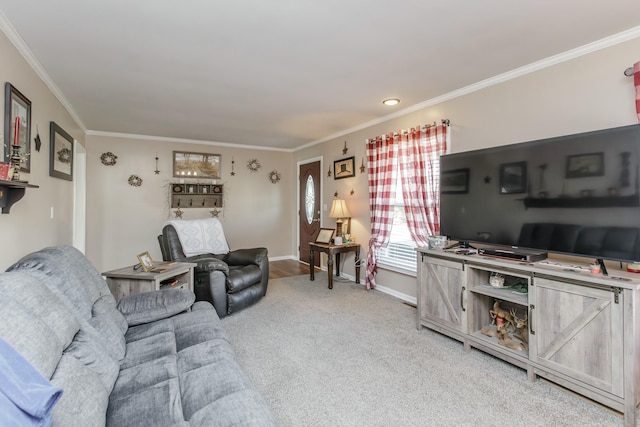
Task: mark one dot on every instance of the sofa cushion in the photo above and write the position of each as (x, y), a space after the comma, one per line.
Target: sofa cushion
(88, 348)
(151, 306)
(84, 400)
(244, 408)
(159, 405)
(30, 336)
(190, 350)
(109, 335)
(53, 266)
(107, 306)
(31, 293)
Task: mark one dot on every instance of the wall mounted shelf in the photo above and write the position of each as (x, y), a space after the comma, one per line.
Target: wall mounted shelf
(583, 202)
(11, 192)
(196, 195)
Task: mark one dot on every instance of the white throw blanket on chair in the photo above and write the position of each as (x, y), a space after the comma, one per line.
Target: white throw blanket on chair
(200, 236)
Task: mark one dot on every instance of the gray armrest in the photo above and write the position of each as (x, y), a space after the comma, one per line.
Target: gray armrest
(151, 306)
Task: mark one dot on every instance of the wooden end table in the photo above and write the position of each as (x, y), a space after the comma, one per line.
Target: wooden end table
(332, 250)
(127, 281)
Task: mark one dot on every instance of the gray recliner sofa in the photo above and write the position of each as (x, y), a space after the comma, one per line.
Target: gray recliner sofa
(152, 359)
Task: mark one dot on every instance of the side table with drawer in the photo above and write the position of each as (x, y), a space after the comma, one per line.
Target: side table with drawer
(127, 281)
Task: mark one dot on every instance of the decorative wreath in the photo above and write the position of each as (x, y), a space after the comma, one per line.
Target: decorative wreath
(64, 155)
(135, 181)
(108, 158)
(253, 165)
(274, 177)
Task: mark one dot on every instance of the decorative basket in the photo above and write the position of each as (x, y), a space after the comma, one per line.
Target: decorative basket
(437, 242)
(496, 280)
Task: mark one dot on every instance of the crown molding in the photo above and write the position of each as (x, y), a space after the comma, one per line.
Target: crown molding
(9, 30)
(182, 141)
(568, 55)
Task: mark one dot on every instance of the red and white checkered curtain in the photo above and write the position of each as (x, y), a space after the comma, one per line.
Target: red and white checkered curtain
(636, 82)
(382, 153)
(419, 159)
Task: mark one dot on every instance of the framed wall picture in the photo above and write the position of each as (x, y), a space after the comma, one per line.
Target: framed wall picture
(325, 235)
(61, 153)
(455, 181)
(513, 178)
(582, 165)
(17, 111)
(196, 165)
(146, 262)
(344, 168)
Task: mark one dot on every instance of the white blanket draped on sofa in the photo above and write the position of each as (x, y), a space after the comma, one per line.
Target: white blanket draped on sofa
(201, 236)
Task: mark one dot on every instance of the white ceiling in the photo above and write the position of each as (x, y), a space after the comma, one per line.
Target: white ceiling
(286, 73)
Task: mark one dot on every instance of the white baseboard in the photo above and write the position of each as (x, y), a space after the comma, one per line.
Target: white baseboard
(399, 295)
(386, 290)
(282, 258)
(383, 289)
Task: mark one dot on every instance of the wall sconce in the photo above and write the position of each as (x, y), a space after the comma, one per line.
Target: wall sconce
(339, 210)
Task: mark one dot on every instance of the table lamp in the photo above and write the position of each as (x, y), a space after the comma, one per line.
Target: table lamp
(339, 210)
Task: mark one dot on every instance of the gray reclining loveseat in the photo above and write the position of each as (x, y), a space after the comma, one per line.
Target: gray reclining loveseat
(152, 359)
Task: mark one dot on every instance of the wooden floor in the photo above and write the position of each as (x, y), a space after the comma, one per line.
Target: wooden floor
(287, 268)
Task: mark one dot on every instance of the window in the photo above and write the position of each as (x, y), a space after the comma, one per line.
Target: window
(400, 253)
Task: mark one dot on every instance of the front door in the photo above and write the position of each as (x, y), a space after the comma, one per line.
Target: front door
(309, 208)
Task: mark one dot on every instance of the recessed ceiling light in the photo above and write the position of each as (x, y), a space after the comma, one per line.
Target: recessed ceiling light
(392, 101)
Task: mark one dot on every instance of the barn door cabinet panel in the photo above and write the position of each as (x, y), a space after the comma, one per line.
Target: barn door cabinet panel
(196, 195)
(442, 302)
(579, 332)
(583, 330)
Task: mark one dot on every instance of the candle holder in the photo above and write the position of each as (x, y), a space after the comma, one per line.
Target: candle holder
(16, 162)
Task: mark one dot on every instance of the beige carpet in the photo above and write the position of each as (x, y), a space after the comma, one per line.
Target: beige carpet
(348, 357)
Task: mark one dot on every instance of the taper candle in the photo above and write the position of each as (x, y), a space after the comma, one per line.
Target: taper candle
(16, 132)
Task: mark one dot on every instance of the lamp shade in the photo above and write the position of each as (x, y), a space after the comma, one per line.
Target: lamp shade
(339, 209)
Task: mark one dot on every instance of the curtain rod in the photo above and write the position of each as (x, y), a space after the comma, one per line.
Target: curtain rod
(445, 122)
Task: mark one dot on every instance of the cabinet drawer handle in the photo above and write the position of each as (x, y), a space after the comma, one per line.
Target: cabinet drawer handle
(462, 298)
(531, 331)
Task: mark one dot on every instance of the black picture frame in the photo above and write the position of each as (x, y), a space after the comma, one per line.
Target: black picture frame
(455, 181)
(17, 105)
(344, 168)
(513, 178)
(60, 153)
(583, 165)
(187, 164)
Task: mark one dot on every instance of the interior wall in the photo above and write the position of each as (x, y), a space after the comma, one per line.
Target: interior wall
(123, 220)
(29, 226)
(586, 93)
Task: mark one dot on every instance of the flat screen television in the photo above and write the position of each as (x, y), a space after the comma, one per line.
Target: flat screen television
(575, 194)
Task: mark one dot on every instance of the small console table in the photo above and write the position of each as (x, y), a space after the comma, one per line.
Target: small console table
(331, 250)
(127, 281)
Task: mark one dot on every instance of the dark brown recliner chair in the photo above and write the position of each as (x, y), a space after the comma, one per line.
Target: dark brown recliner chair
(230, 282)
